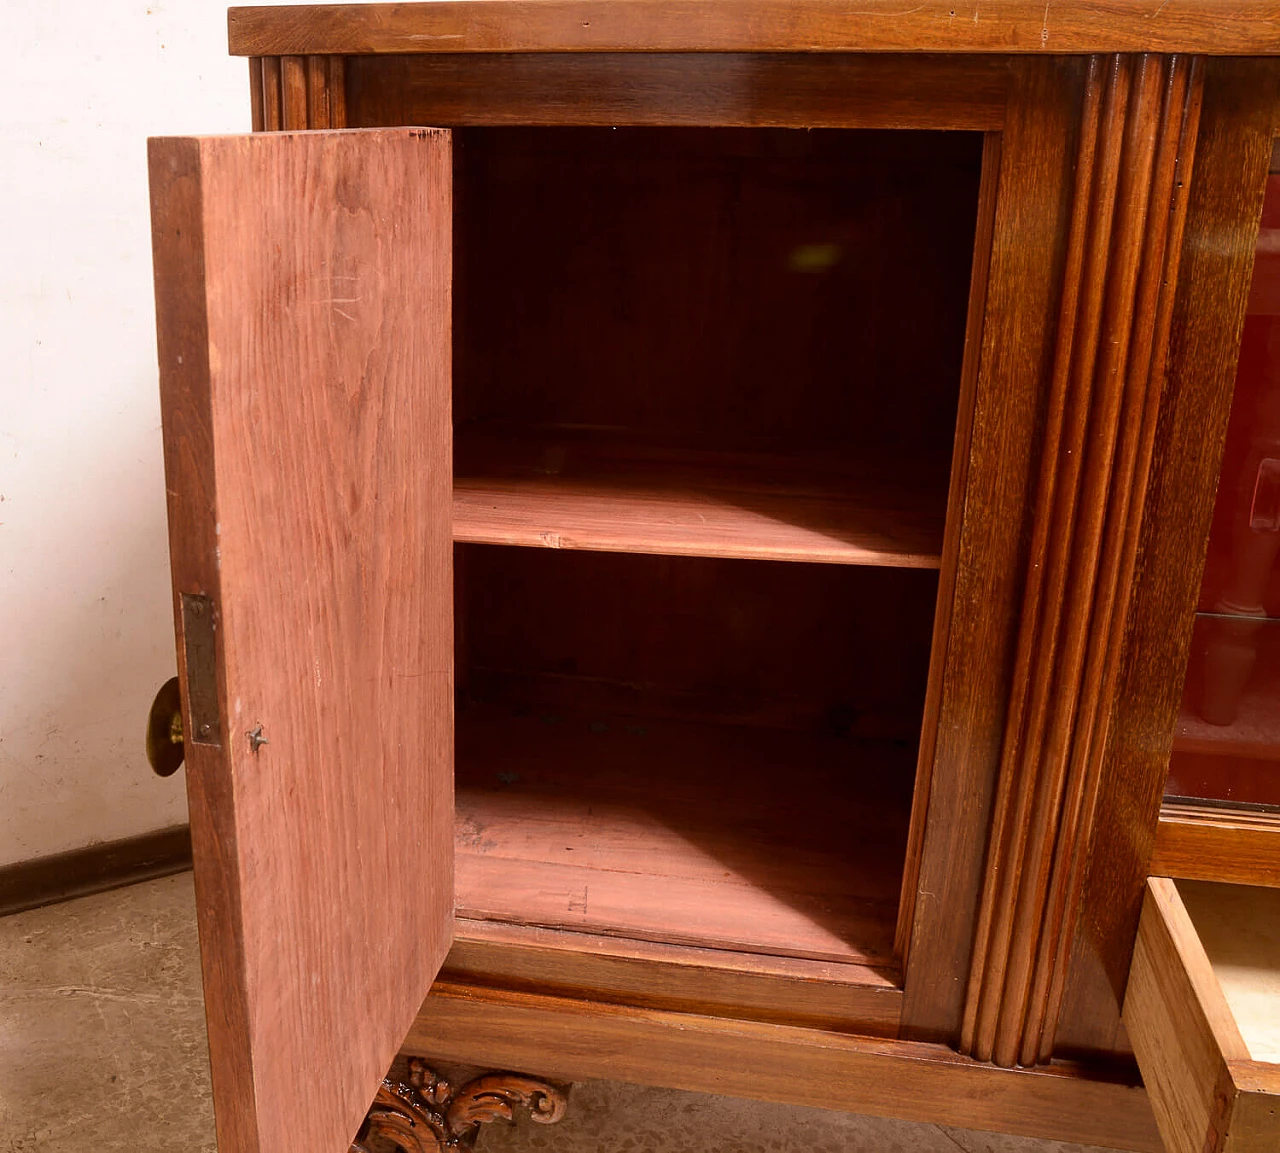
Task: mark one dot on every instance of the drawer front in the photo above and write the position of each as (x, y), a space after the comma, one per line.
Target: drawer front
(1209, 1060)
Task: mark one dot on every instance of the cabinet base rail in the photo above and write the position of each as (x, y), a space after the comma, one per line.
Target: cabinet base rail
(575, 1040)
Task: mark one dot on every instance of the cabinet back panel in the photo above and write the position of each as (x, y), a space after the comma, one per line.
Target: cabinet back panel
(732, 288)
(820, 647)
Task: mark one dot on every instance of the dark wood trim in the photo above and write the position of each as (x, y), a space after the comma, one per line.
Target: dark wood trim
(1135, 155)
(94, 869)
(1243, 27)
(682, 89)
(257, 110)
(272, 99)
(945, 605)
(1239, 117)
(570, 1040)
(1028, 252)
(1200, 843)
(293, 92)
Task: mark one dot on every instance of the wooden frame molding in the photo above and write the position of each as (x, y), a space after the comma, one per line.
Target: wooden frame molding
(947, 576)
(972, 680)
(841, 90)
(273, 859)
(1239, 120)
(1204, 843)
(572, 1040)
(296, 92)
(1135, 154)
(1067, 26)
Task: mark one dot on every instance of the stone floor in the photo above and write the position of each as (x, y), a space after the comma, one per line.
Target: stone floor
(102, 1047)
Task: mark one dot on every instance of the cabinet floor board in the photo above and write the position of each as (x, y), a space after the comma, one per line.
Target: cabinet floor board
(722, 837)
(615, 970)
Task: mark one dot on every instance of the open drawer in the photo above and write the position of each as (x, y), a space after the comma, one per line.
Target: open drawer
(1203, 1013)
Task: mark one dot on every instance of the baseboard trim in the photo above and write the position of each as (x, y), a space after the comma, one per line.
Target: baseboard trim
(94, 869)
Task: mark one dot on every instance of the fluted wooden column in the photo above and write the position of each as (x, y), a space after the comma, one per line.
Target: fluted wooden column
(292, 92)
(1136, 147)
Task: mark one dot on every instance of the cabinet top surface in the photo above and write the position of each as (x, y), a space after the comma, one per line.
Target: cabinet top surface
(1218, 27)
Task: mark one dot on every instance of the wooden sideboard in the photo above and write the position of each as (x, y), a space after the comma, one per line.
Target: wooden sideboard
(687, 525)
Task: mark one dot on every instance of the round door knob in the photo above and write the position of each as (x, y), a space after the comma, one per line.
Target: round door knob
(164, 730)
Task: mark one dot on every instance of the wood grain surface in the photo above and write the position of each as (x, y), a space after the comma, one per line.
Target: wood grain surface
(293, 89)
(434, 71)
(579, 492)
(295, 92)
(308, 466)
(1238, 123)
(257, 109)
(1204, 843)
(1182, 1029)
(1137, 141)
(949, 559)
(682, 833)
(848, 998)
(1243, 27)
(272, 95)
(577, 1039)
(1239, 929)
(679, 89)
(1253, 1115)
(1033, 205)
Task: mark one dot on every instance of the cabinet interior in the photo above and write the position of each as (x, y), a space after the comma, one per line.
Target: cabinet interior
(1239, 927)
(705, 393)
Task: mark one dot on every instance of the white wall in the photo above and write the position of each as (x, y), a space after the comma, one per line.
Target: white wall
(85, 621)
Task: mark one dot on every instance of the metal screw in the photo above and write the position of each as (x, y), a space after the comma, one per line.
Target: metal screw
(256, 739)
(206, 729)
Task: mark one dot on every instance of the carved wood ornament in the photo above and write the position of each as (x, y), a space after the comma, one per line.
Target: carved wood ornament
(429, 1116)
(1135, 150)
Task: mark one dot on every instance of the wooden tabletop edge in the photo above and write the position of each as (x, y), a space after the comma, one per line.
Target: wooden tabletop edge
(1244, 27)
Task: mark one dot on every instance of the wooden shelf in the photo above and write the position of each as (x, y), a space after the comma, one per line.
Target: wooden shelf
(1233, 672)
(1254, 735)
(760, 841)
(604, 495)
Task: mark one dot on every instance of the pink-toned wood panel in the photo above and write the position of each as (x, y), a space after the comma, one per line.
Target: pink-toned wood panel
(682, 833)
(303, 289)
(569, 492)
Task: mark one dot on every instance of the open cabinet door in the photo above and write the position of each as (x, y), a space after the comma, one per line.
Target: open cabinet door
(303, 307)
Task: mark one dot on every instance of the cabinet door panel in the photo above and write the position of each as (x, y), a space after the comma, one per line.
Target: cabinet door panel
(303, 311)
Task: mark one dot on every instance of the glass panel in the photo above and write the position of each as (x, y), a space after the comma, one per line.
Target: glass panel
(1227, 747)
(1227, 744)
